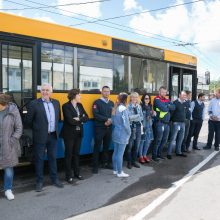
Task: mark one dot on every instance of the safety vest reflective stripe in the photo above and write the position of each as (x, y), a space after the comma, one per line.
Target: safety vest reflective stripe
(162, 114)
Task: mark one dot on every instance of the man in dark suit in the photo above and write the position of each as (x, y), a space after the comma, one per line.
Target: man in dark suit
(43, 116)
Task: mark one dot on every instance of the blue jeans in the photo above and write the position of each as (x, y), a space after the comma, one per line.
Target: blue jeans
(133, 145)
(51, 146)
(8, 178)
(162, 131)
(187, 126)
(177, 136)
(144, 146)
(117, 157)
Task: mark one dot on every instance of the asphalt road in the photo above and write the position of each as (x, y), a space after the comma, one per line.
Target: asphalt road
(198, 199)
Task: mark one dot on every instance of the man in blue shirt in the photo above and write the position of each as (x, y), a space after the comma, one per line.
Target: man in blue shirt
(43, 116)
(214, 121)
(198, 115)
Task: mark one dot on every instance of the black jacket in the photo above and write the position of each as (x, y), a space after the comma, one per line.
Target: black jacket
(37, 119)
(102, 111)
(70, 125)
(179, 114)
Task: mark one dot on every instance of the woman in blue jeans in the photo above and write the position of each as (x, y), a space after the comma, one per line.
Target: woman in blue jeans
(10, 132)
(120, 134)
(136, 118)
(148, 136)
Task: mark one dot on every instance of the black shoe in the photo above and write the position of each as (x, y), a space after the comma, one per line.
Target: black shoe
(95, 171)
(39, 187)
(135, 165)
(161, 157)
(129, 166)
(181, 155)
(70, 180)
(216, 148)
(155, 159)
(58, 184)
(185, 151)
(206, 148)
(169, 157)
(196, 148)
(79, 177)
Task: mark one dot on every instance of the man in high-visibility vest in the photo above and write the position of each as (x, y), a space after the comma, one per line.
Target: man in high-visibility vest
(162, 106)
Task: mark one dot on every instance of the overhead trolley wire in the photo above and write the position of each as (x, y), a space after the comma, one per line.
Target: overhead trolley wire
(205, 57)
(199, 55)
(124, 26)
(170, 40)
(142, 12)
(53, 12)
(54, 6)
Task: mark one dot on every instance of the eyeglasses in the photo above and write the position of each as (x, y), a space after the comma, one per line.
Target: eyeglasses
(146, 98)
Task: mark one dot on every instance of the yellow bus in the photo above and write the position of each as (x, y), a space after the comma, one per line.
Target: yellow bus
(33, 52)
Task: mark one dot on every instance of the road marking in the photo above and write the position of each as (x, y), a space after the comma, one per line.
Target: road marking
(148, 209)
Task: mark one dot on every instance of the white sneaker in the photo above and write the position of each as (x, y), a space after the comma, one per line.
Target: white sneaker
(9, 195)
(115, 172)
(122, 174)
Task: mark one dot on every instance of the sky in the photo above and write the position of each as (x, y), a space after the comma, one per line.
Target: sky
(191, 28)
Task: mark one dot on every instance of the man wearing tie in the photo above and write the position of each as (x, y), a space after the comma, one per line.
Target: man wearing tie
(43, 116)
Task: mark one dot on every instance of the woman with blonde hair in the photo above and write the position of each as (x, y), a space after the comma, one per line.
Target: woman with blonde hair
(136, 118)
(10, 132)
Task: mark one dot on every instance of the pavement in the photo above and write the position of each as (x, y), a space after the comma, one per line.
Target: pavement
(198, 199)
(99, 196)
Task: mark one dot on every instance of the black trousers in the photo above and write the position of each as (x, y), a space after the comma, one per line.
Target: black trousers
(194, 130)
(72, 151)
(102, 137)
(214, 129)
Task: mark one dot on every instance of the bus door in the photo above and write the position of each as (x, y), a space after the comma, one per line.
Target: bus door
(175, 82)
(181, 79)
(188, 80)
(17, 73)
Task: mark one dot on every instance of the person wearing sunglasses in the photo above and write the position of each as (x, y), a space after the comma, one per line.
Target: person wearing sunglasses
(147, 136)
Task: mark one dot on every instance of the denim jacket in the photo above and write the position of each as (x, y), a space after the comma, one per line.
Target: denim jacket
(135, 118)
(121, 126)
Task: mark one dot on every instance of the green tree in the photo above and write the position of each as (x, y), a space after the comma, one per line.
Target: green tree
(214, 84)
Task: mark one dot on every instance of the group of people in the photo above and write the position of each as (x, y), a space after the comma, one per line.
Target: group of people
(131, 127)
